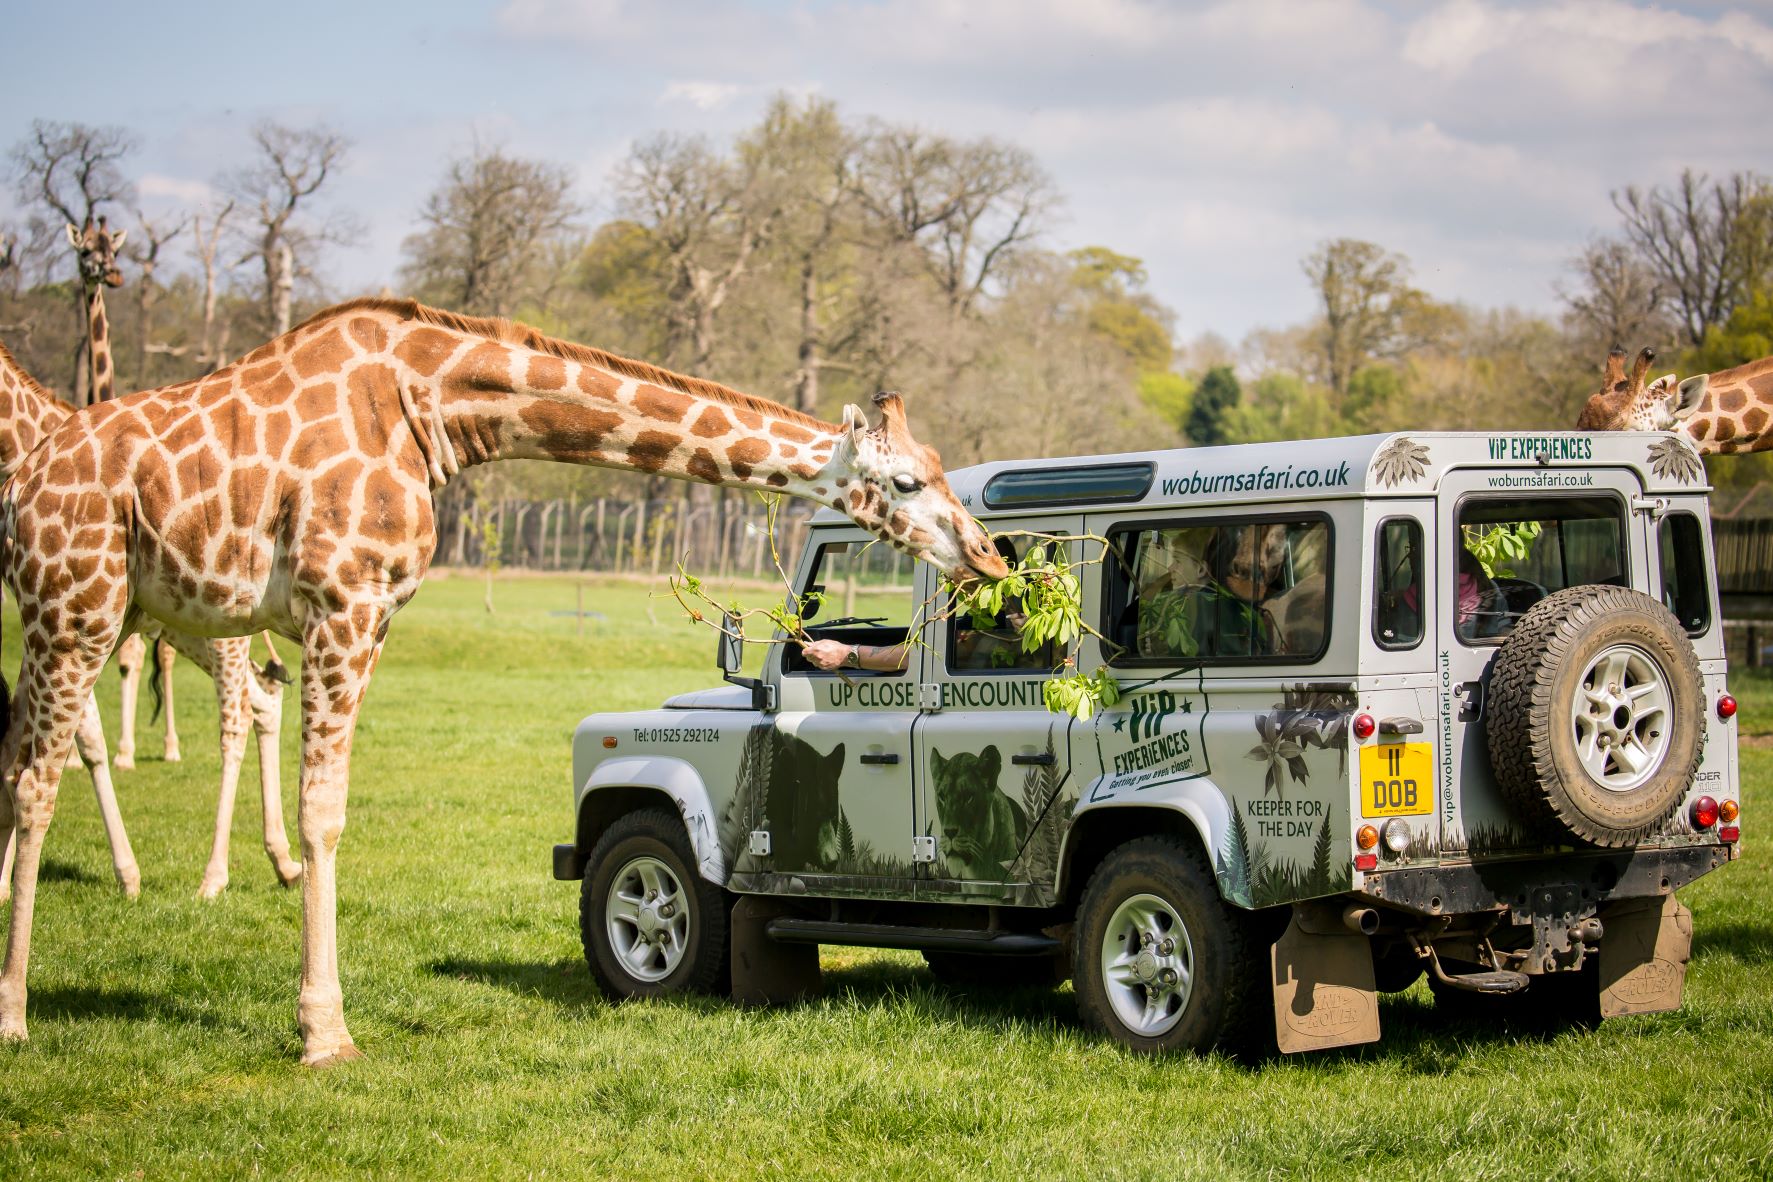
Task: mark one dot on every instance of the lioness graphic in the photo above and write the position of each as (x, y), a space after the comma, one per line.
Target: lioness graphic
(802, 804)
(982, 829)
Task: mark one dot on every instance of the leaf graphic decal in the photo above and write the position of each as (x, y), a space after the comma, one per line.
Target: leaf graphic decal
(1674, 459)
(1398, 461)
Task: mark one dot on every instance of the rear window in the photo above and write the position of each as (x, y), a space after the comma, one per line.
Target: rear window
(1397, 584)
(1514, 551)
(1210, 592)
(1686, 585)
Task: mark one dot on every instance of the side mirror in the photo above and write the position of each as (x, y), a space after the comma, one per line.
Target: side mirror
(730, 648)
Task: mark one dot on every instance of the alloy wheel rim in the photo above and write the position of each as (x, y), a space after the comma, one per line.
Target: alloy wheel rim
(1147, 965)
(1621, 717)
(647, 919)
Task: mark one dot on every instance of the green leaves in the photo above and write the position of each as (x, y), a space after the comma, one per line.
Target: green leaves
(1078, 694)
(1500, 546)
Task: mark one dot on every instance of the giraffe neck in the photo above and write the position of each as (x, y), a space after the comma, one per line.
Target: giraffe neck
(1736, 414)
(28, 412)
(498, 400)
(98, 335)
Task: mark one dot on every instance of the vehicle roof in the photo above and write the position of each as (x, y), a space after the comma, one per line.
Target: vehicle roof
(1393, 465)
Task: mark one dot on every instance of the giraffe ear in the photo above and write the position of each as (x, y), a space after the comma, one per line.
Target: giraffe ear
(892, 410)
(855, 422)
(117, 239)
(73, 236)
(1688, 396)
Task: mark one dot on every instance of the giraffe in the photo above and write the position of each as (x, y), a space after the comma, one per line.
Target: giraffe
(1722, 413)
(246, 694)
(293, 490)
(96, 247)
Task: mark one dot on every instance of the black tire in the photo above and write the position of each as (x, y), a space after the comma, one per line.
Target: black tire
(1396, 969)
(1229, 1004)
(655, 839)
(968, 970)
(1534, 684)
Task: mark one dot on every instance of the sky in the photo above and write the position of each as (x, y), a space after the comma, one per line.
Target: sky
(1218, 142)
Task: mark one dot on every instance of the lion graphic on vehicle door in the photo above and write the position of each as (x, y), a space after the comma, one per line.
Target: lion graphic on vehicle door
(981, 829)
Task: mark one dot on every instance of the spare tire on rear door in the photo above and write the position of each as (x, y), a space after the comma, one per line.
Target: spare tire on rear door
(1595, 715)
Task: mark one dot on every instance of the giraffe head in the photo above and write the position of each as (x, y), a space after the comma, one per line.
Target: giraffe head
(893, 485)
(97, 247)
(1625, 403)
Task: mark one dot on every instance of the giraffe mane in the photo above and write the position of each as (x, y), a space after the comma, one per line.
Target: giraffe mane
(31, 383)
(513, 332)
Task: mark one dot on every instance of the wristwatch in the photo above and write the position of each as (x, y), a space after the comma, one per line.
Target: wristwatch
(855, 657)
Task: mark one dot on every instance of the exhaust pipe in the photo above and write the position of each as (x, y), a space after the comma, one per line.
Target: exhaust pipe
(1363, 921)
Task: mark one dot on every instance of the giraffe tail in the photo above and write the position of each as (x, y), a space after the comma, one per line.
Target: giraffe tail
(155, 671)
(275, 669)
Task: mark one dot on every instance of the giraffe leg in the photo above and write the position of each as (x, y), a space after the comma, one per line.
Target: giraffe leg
(130, 656)
(266, 704)
(167, 656)
(215, 875)
(89, 740)
(33, 760)
(7, 844)
(339, 653)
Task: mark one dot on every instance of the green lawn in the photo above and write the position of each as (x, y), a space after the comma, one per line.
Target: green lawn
(164, 1045)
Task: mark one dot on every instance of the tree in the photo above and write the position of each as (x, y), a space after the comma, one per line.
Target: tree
(1618, 299)
(293, 165)
(1707, 242)
(1214, 399)
(145, 250)
(487, 227)
(1746, 336)
(1370, 310)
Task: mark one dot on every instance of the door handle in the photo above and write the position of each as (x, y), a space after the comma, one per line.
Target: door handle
(1473, 693)
(1044, 759)
(1400, 726)
(880, 757)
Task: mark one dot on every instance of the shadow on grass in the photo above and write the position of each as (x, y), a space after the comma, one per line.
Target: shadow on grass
(50, 870)
(1750, 943)
(565, 983)
(87, 1003)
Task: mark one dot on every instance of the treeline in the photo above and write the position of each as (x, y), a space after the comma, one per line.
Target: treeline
(817, 258)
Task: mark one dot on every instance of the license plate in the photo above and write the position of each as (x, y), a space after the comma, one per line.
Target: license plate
(1397, 779)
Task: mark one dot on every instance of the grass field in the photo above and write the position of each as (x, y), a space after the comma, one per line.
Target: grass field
(164, 1045)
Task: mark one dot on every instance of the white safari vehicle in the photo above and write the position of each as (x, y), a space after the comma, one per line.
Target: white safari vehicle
(1348, 753)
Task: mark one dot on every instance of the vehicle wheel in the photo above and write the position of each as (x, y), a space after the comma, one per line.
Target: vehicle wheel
(1596, 715)
(651, 925)
(1396, 969)
(1161, 964)
(968, 969)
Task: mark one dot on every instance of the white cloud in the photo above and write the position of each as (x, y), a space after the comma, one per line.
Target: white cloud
(180, 189)
(705, 96)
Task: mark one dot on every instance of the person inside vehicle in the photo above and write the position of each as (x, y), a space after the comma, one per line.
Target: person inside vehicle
(1480, 609)
(974, 648)
(1221, 615)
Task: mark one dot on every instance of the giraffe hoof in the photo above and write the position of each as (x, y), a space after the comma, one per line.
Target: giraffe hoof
(333, 1058)
(211, 889)
(290, 875)
(131, 882)
(172, 755)
(124, 762)
(11, 1031)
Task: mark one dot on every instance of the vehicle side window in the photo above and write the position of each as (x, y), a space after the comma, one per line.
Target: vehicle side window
(857, 593)
(1512, 552)
(1221, 592)
(1685, 589)
(978, 646)
(1397, 584)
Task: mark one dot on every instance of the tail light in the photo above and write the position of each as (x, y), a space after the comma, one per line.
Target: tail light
(1705, 813)
(1728, 812)
(1364, 726)
(1729, 835)
(1726, 707)
(1366, 837)
(1366, 861)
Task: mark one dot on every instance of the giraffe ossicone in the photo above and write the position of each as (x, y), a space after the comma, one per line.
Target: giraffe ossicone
(293, 490)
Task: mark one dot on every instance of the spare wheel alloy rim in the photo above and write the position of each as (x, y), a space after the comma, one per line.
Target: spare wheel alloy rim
(647, 919)
(1622, 717)
(1147, 965)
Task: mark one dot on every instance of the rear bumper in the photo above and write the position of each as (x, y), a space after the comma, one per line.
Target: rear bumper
(569, 863)
(1599, 875)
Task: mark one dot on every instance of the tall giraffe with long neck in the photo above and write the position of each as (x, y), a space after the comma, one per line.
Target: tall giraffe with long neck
(1722, 413)
(96, 247)
(246, 695)
(293, 490)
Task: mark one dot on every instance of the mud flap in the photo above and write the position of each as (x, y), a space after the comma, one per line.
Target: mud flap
(766, 972)
(1323, 983)
(1644, 954)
